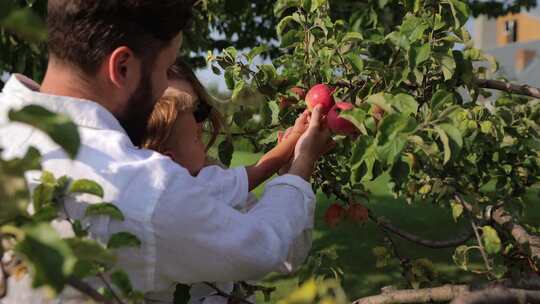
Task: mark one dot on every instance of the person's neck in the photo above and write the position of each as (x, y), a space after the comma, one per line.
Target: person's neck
(61, 80)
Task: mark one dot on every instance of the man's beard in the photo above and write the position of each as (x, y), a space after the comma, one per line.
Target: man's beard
(139, 108)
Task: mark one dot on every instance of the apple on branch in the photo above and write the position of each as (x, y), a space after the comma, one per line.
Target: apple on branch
(340, 125)
(287, 101)
(357, 213)
(320, 94)
(333, 215)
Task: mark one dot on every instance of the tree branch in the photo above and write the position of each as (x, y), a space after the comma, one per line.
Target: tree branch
(504, 291)
(438, 294)
(508, 87)
(88, 290)
(434, 244)
(227, 295)
(499, 295)
(520, 235)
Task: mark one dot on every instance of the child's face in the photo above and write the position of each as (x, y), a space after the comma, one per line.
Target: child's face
(185, 142)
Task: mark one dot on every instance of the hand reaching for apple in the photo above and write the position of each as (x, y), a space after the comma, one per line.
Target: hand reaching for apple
(300, 126)
(313, 144)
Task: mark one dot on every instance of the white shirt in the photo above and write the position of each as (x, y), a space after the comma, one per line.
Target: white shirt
(189, 231)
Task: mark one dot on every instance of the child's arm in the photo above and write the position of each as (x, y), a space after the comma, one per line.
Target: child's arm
(276, 158)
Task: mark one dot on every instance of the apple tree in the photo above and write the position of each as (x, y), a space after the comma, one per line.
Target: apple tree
(407, 95)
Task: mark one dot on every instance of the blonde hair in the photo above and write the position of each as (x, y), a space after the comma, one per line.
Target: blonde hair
(164, 115)
(174, 102)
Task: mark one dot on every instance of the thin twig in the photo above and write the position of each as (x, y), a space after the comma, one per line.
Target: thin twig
(480, 245)
(87, 290)
(410, 236)
(508, 87)
(226, 295)
(467, 207)
(403, 262)
(109, 287)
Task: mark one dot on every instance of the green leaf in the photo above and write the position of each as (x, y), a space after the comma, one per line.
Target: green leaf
(446, 143)
(229, 78)
(393, 124)
(357, 116)
(461, 257)
(316, 4)
(86, 186)
(181, 294)
(352, 37)
(282, 25)
(306, 293)
(400, 40)
(46, 214)
(363, 160)
(456, 139)
(290, 38)
(43, 197)
(356, 62)
(225, 152)
(78, 229)
(440, 98)
(382, 255)
(49, 257)
(120, 279)
(90, 250)
(59, 127)
(491, 239)
(404, 103)
(391, 151)
(413, 28)
(216, 70)
(457, 210)
(256, 52)
(18, 166)
(419, 54)
(381, 100)
(282, 5)
(448, 66)
(486, 127)
(123, 239)
(105, 209)
(26, 24)
(460, 11)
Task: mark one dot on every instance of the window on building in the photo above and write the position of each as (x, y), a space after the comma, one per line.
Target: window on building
(510, 28)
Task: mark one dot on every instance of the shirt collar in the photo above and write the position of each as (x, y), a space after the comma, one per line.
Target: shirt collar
(84, 113)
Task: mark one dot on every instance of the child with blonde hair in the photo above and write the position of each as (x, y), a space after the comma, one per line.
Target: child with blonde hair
(176, 129)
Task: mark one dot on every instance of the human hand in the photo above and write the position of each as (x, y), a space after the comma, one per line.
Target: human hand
(315, 142)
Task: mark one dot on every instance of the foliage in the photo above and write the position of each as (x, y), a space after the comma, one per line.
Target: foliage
(219, 24)
(441, 137)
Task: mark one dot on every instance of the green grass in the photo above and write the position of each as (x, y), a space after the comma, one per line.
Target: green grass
(354, 243)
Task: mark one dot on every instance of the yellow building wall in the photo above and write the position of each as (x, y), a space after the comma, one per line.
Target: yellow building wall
(528, 28)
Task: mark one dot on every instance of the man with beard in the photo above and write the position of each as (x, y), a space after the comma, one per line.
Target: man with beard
(108, 64)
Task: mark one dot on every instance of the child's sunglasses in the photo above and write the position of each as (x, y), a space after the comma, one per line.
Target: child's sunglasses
(202, 112)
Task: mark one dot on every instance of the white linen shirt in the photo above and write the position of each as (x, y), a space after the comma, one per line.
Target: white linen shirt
(189, 231)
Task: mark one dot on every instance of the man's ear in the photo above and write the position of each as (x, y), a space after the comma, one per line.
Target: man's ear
(124, 68)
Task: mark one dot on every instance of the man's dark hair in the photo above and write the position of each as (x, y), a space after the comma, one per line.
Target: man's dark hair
(84, 32)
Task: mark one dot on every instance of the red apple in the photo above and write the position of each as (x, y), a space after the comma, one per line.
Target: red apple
(333, 215)
(299, 92)
(357, 213)
(338, 124)
(320, 94)
(285, 102)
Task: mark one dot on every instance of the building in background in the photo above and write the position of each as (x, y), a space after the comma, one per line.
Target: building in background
(514, 40)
